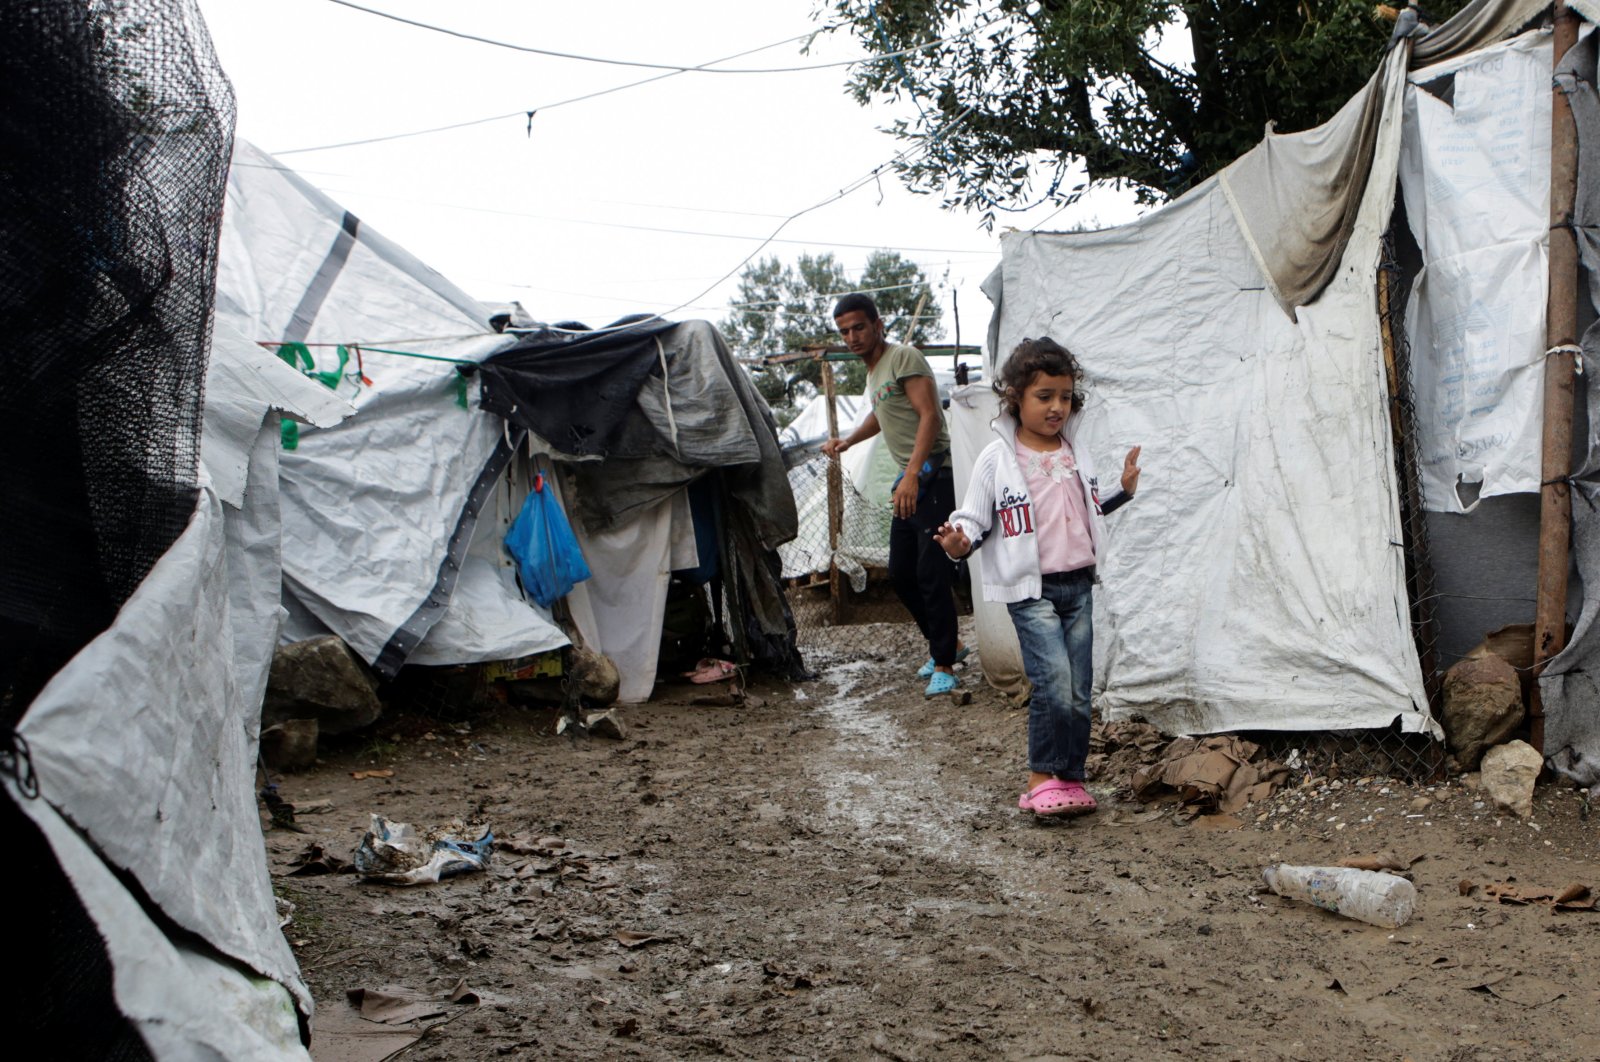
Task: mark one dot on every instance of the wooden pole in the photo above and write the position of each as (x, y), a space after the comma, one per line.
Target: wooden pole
(1561, 330)
(835, 495)
(911, 329)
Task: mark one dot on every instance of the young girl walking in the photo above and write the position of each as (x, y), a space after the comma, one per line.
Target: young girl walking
(1046, 500)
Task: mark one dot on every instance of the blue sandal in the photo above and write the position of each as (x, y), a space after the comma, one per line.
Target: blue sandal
(941, 682)
(926, 670)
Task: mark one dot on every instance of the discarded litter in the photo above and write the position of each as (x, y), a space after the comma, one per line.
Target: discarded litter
(1366, 895)
(1574, 897)
(394, 853)
(314, 859)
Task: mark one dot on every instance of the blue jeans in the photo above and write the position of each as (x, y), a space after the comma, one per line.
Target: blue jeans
(1056, 632)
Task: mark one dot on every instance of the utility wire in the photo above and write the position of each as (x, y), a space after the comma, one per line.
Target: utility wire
(655, 228)
(673, 67)
(530, 112)
(854, 186)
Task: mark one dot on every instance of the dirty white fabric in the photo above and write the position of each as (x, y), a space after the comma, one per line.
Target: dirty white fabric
(1256, 581)
(369, 507)
(1475, 172)
(619, 609)
(972, 408)
(186, 1004)
(248, 390)
(160, 776)
(1296, 195)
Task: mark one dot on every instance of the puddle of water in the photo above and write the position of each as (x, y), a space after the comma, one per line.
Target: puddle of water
(875, 778)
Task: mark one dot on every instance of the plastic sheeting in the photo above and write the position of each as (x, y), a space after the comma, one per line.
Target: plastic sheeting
(972, 411)
(185, 1003)
(377, 513)
(1256, 582)
(1475, 172)
(160, 777)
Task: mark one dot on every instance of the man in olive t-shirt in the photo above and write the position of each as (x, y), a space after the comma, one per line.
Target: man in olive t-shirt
(906, 409)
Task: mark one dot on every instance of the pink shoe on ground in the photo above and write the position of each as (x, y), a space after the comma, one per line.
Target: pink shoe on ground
(1054, 797)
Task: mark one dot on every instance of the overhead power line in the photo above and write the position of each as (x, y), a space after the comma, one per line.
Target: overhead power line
(529, 112)
(658, 228)
(704, 68)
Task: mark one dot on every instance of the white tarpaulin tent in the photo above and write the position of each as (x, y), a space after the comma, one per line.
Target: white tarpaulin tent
(379, 513)
(197, 634)
(1256, 582)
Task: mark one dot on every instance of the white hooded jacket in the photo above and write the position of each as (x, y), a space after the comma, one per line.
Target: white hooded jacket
(999, 489)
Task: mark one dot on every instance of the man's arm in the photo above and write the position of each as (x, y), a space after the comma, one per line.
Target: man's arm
(863, 431)
(924, 398)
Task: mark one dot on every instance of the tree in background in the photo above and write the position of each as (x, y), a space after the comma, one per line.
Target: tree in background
(1039, 85)
(781, 308)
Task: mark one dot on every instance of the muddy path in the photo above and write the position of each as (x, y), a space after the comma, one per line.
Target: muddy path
(839, 871)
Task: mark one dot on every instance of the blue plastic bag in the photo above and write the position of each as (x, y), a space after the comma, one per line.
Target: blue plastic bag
(546, 551)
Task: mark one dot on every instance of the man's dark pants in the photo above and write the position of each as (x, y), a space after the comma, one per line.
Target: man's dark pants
(920, 570)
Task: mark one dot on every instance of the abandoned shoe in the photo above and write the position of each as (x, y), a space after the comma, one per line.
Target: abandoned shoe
(926, 670)
(941, 682)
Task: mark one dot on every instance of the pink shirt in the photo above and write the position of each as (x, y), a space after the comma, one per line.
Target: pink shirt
(1061, 520)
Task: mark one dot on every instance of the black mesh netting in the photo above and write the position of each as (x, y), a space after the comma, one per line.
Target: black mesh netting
(117, 125)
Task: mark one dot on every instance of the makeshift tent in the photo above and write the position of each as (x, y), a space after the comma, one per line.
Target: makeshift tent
(379, 512)
(1258, 581)
(394, 521)
(669, 461)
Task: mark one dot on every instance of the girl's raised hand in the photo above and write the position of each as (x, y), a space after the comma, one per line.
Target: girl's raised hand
(953, 541)
(1130, 472)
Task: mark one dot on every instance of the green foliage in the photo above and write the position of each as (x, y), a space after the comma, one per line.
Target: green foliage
(782, 308)
(1039, 85)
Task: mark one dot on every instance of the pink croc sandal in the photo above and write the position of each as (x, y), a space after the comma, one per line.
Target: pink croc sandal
(1055, 797)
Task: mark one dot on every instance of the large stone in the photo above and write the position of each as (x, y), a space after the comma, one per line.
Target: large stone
(596, 676)
(290, 745)
(1482, 705)
(321, 679)
(1508, 774)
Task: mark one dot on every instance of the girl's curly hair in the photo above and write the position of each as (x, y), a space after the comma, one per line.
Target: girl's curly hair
(1029, 359)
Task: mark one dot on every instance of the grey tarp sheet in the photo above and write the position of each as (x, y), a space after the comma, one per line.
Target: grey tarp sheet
(705, 414)
(1570, 685)
(1296, 195)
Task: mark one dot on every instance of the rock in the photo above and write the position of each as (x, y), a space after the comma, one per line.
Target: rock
(1482, 705)
(321, 679)
(1508, 774)
(606, 724)
(1420, 804)
(596, 676)
(290, 745)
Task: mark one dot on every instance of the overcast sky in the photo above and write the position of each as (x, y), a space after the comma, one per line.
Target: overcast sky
(570, 220)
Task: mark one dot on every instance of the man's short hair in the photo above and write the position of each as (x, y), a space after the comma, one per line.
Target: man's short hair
(853, 302)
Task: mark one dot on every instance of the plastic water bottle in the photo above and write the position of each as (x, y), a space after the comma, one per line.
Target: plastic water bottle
(1368, 895)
